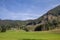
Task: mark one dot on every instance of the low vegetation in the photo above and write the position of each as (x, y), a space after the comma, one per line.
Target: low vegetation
(22, 35)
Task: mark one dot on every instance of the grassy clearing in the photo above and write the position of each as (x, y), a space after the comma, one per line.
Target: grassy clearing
(22, 35)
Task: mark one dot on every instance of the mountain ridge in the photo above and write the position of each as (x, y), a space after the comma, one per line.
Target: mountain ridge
(48, 21)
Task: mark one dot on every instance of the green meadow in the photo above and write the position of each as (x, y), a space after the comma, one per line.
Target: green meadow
(22, 35)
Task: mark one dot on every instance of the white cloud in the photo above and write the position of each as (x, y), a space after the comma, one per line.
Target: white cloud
(6, 14)
(24, 10)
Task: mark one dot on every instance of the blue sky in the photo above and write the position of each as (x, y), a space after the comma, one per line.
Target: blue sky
(25, 9)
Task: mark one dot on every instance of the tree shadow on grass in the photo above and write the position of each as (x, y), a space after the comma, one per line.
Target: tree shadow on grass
(32, 39)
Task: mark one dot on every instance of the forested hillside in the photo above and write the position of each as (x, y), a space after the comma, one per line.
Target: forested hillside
(48, 21)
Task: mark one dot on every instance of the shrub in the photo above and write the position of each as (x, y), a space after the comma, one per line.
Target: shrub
(3, 29)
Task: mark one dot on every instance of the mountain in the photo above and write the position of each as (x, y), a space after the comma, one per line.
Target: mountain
(48, 21)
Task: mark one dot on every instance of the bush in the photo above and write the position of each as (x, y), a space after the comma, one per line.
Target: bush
(3, 29)
(26, 29)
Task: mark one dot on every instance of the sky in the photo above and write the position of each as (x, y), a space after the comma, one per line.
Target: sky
(25, 9)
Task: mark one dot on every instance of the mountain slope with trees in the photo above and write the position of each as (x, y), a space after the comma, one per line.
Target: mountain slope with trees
(48, 21)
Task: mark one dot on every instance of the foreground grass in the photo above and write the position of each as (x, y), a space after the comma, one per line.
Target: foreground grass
(21, 35)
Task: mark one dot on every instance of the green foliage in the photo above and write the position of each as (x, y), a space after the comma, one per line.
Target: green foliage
(3, 29)
(39, 28)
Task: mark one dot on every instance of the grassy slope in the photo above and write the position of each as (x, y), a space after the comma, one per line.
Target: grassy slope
(20, 35)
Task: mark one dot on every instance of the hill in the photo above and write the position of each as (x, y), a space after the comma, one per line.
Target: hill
(48, 21)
